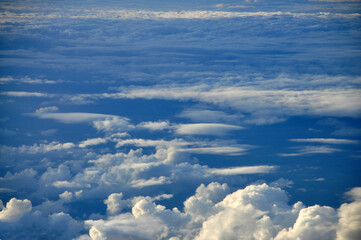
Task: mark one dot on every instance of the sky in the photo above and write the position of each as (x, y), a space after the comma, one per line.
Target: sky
(193, 119)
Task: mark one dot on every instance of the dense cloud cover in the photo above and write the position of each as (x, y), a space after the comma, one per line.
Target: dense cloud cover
(180, 120)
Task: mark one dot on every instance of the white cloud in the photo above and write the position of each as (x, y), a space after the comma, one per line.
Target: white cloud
(66, 195)
(39, 148)
(115, 203)
(255, 212)
(216, 129)
(154, 126)
(113, 124)
(314, 222)
(308, 150)
(74, 117)
(260, 102)
(5, 80)
(140, 183)
(47, 109)
(220, 150)
(92, 142)
(15, 209)
(350, 217)
(325, 140)
(25, 94)
(242, 170)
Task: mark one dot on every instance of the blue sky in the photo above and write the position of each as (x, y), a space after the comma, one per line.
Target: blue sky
(180, 120)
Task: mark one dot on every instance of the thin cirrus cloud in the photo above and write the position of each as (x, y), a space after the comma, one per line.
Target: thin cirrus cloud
(73, 117)
(25, 94)
(325, 140)
(309, 150)
(122, 14)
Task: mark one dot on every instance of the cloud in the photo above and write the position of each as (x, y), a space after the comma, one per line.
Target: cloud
(208, 116)
(216, 129)
(242, 170)
(308, 150)
(350, 217)
(74, 117)
(47, 109)
(9, 79)
(347, 131)
(39, 148)
(260, 102)
(140, 183)
(314, 222)
(220, 150)
(325, 140)
(15, 209)
(92, 142)
(115, 14)
(25, 94)
(255, 212)
(114, 124)
(154, 126)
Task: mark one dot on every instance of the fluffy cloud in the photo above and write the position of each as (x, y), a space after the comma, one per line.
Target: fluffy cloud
(15, 209)
(255, 212)
(350, 217)
(18, 218)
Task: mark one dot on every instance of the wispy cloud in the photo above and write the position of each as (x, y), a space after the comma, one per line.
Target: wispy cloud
(242, 170)
(325, 140)
(309, 150)
(25, 94)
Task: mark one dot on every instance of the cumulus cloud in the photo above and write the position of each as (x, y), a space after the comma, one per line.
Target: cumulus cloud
(15, 209)
(114, 124)
(350, 217)
(255, 212)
